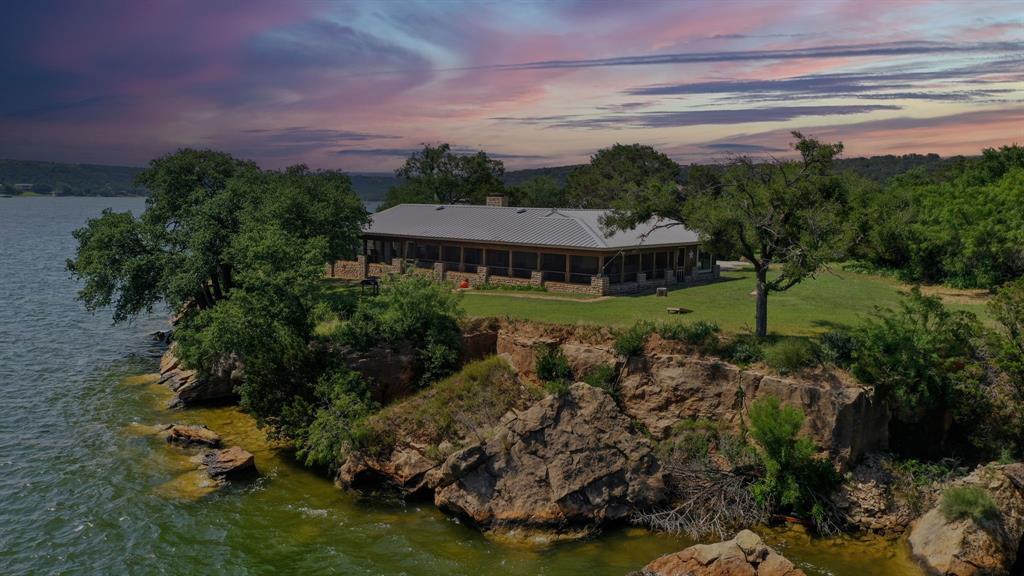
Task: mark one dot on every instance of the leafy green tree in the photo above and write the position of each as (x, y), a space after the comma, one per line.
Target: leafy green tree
(919, 356)
(177, 251)
(619, 173)
(796, 480)
(539, 192)
(781, 212)
(963, 227)
(410, 311)
(436, 174)
(1007, 309)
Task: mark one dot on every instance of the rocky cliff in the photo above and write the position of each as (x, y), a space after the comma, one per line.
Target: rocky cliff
(671, 382)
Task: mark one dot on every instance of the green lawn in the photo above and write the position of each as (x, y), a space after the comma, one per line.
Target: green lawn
(834, 299)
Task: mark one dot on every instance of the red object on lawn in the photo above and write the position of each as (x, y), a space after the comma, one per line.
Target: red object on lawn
(464, 283)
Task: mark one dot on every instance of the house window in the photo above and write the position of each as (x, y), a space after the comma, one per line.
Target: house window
(704, 261)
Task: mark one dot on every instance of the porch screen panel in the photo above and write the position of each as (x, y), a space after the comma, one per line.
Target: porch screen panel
(583, 268)
(553, 266)
(523, 264)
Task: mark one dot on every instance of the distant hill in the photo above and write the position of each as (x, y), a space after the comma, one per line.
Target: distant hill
(71, 179)
(99, 180)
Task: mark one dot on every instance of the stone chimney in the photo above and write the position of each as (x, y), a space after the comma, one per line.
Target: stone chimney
(497, 200)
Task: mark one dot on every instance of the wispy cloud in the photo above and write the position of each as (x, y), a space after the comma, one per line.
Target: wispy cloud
(905, 48)
(406, 152)
(667, 119)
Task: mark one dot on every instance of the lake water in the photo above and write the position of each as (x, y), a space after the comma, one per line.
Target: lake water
(84, 489)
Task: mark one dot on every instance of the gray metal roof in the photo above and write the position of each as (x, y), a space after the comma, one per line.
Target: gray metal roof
(559, 227)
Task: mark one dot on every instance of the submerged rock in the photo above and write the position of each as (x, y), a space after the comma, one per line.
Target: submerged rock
(191, 435)
(229, 464)
(744, 555)
(570, 459)
(968, 547)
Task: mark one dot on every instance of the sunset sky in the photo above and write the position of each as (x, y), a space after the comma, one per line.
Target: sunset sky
(359, 85)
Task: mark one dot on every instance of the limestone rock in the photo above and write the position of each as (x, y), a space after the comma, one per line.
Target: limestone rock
(190, 388)
(565, 460)
(392, 371)
(191, 435)
(869, 502)
(230, 463)
(662, 389)
(966, 548)
(744, 555)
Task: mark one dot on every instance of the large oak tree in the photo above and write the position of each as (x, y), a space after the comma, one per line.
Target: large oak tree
(778, 213)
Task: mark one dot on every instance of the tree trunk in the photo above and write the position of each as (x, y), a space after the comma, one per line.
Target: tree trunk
(762, 302)
(218, 295)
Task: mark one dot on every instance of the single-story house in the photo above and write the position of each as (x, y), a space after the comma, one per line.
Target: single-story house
(564, 250)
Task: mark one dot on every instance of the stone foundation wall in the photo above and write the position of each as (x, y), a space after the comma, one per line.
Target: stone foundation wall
(567, 288)
(599, 286)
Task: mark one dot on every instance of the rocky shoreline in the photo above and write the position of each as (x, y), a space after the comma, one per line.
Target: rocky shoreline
(574, 462)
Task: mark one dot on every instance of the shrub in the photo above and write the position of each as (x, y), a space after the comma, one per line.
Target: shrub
(697, 333)
(837, 347)
(919, 354)
(745, 349)
(972, 502)
(551, 365)
(340, 404)
(603, 377)
(795, 480)
(410, 310)
(558, 387)
(473, 399)
(631, 341)
(789, 355)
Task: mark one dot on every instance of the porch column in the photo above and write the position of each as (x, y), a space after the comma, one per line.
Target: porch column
(462, 258)
(568, 266)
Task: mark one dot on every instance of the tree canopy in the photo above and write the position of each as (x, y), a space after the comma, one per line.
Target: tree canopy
(779, 212)
(436, 174)
(619, 172)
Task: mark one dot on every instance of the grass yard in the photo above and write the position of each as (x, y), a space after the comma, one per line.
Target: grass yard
(834, 299)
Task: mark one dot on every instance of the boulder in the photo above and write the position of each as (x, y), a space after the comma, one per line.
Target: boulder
(966, 547)
(392, 371)
(191, 435)
(566, 460)
(744, 555)
(229, 464)
(190, 388)
(662, 389)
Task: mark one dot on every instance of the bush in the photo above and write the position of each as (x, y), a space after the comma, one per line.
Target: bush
(603, 377)
(837, 347)
(631, 341)
(789, 355)
(558, 387)
(918, 355)
(410, 310)
(698, 333)
(341, 403)
(795, 479)
(551, 365)
(972, 502)
(745, 349)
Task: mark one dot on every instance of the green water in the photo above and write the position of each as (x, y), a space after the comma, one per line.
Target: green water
(86, 489)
